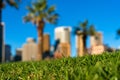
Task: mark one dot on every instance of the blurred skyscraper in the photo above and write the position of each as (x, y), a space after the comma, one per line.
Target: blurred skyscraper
(97, 46)
(19, 51)
(96, 39)
(62, 35)
(2, 53)
(64, 48)
(46, 45)
(79, 44)
(18, 56)
(29, 50)
(8, 53)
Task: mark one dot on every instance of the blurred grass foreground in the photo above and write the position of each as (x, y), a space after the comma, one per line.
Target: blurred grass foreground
(95, 67)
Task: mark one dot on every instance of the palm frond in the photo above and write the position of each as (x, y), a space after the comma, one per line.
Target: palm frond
(84, 24)
(52, 18)
(91, 30)
(26, 19)
(13, 3)
(29, 17)
(43, 15)
(76, 30)
(40, 6)
(31, 10)
(51, 9)
(40, 9)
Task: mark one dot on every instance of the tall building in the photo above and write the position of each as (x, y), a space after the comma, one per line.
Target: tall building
(97, 39)
(29, 50)
(46, 45)
(64, 48)
(79, 44)
(7, 53)
(18, 56)
(62, 37)
(98, 49)
(19, 51)
(2, 55)
(63, 34)
(97, 46)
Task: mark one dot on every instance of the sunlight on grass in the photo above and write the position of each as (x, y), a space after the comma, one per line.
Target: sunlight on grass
(99, 67)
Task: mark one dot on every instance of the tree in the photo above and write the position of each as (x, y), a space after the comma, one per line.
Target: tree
(39, 14)
(86, 30)
(118, 33)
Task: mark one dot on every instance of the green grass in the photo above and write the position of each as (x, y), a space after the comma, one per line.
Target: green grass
(100, 67)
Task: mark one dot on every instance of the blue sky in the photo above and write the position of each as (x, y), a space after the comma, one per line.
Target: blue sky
(104, 14)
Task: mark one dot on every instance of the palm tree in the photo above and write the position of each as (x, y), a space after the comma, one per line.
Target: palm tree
(86, 30)
(39, 14)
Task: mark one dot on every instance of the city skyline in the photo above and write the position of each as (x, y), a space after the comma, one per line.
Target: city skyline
(101, 16)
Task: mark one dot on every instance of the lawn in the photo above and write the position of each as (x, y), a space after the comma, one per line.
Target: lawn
(96, 67)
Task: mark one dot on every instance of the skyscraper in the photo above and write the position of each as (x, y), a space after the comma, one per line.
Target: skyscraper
(62, 36)
(2, 55)
(29, 50)
(79, 44)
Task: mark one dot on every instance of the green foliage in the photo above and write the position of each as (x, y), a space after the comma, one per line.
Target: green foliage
(84, 25)
(95, 67)
(86, 29)
(91, 30)
(39, 11)
(13, 3)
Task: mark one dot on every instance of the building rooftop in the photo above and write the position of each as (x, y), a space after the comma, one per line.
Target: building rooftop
(30, 39)
(61, 28)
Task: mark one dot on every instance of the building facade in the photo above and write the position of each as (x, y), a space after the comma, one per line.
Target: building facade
(63, 34)
(18, 56)
(96, 39)
(8, 53)
(46, 43)
(2, 50)
(97, 46)
(29, 50)
(46, 46)
(64, 49)
(62, 37)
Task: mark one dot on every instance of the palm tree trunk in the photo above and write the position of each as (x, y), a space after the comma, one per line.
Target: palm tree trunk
(78, 44)
(40, 40)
